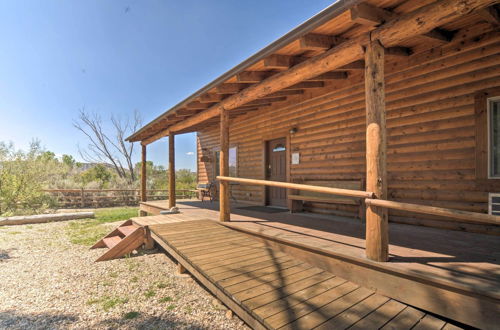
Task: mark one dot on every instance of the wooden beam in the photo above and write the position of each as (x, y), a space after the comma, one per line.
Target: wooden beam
(230, 88)
(392, 32)
(144, 196)
(197, 105)
(251, 106)
(299, 186)
(306, 84)
(143, 174)
(225, 212)
(377, 233)
(472, 217)
(267, 100)
(210, 98)
(433, 15)
(313, 41)
(330, 76)
(366, 14)
(355, 65)
(171, 170)
(490, 15)
(286, 93)
(253, 76)
(438, 35)
(281, 62)
(398, 51)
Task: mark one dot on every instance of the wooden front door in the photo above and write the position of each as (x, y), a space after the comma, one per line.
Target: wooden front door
(276, 171)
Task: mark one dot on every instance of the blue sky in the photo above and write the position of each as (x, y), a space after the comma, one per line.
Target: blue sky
(114, 57)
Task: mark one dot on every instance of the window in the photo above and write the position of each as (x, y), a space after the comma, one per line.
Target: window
(217, 164)
(279, 147)
(233, 161)
(494, 136)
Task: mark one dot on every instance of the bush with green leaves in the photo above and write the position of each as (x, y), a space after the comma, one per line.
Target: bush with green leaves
(22, 178)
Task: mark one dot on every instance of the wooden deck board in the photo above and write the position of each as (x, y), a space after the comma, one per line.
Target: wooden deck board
(267, 288)
(442, 270)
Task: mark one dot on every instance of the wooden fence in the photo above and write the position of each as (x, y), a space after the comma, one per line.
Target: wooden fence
(81, 198)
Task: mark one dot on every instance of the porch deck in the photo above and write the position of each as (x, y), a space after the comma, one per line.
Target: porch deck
(454, 274)
(271, 289)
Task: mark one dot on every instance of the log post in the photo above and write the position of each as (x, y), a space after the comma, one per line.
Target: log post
(171, 170)
(225, 212)
(144, 197)
(377, 236)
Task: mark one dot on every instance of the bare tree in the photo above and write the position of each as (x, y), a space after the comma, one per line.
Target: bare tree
(109, 147)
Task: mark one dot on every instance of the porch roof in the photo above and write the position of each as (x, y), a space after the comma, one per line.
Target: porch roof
(344, 23)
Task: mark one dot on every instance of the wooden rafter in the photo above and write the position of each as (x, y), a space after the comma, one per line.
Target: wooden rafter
(389, 34)
(313, 41)
(366, 14)
(330, 76)
(231, 88)
(490, 15)
(253, 76)
(306, 84)
(210, 98)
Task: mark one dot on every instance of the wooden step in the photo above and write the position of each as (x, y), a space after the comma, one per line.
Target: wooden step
(124, 246)
(115, 232)
(127, 230)
(112, 241)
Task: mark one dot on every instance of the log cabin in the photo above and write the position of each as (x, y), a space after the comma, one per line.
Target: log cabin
(372, 132)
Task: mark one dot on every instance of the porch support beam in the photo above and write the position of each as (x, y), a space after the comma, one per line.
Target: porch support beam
(225, 212)
(377, 234)
(144, 196)
(171, 170)
(390, 34)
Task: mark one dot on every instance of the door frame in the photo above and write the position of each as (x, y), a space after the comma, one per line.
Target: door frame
(285, 133)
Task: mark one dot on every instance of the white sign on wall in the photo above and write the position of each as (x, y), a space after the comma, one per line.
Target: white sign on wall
(295, 158)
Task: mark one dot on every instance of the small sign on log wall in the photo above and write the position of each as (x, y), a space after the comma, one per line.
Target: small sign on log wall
(295, 158)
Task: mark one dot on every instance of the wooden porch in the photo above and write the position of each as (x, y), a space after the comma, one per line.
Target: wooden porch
(449, 273)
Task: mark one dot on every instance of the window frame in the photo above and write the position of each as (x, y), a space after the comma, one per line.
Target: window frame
(236, 168)
(489, 100)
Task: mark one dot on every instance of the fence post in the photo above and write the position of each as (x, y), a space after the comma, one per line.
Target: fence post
(82, 198)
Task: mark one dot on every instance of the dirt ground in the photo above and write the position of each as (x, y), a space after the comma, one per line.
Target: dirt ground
(48, 282)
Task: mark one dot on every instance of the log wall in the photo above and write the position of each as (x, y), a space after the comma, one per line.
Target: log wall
(431, 132)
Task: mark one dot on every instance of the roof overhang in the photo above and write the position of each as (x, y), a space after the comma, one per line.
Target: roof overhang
(325, 15)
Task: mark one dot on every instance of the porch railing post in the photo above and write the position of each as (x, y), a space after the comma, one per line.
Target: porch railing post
(144, 197)
(377, 235)
(225, 212)
(171, 170)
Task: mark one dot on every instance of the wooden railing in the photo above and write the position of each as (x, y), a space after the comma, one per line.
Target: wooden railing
(72, 198)
(300, 186)
(464, 216)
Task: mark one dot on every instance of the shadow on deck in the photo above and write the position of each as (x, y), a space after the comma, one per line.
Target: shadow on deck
(454, 274)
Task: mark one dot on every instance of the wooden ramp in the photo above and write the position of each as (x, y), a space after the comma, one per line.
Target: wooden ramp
(121, 241)
(272, 290)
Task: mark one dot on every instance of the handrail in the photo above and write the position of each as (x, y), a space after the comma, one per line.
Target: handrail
(299, 186)
(466, 216)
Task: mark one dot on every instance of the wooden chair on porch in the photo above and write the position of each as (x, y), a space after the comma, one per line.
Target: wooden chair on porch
(208, 190)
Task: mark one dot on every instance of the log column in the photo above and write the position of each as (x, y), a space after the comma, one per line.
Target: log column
(171, 170)
(144, 197)
(225, 212)
(377, 236)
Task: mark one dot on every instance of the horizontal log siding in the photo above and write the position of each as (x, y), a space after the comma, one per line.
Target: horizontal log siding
(431, 133)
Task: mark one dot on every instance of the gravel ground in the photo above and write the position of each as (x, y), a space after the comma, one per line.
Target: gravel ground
(46, 282)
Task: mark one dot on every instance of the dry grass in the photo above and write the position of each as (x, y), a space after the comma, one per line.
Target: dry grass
(50, 280)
